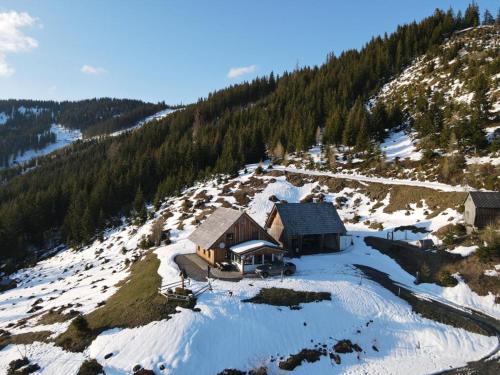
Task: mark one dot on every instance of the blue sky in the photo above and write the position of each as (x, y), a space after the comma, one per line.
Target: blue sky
(178, 51)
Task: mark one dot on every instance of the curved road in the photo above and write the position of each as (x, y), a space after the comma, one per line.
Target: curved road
(483, 323)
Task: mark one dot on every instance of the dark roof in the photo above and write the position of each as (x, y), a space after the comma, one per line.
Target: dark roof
(310, 218)
(215, 226)
(485, 199)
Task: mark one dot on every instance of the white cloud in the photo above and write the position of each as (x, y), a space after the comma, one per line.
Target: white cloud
(12, 40)
(92, 70)
(242, 70)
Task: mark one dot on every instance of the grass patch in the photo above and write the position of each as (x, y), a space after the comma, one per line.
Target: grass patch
(136, 303)
(24, 338)
(90, 367)
(287, 297)
(57, 316)
(22, 366)
(437, 201)
(295, 360)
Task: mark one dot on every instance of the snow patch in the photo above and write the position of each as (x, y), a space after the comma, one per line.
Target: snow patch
(400, 145)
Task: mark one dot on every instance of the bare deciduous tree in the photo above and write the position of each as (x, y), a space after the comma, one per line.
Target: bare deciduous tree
(157, 230)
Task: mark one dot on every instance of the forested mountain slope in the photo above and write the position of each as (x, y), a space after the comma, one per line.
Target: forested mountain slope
(29, 124)
(453, 92)
(78, 192)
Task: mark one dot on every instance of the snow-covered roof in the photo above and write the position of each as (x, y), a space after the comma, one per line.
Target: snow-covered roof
(251, 245)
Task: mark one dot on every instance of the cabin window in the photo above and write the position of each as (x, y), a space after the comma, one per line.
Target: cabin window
(236, 258)
(268, 258)
(257, 259)
(229, 236)
(248, 260)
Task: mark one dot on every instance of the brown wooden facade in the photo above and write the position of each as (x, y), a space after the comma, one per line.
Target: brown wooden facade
(243, 229)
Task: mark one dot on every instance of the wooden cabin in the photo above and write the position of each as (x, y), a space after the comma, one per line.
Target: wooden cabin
(223, 229)
(481, 209)
(307, 228)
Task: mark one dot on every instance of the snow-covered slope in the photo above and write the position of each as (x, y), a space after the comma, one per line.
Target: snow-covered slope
(478, 47)
(64, 137)
(227, 332)
(155, 117)
(400, 144)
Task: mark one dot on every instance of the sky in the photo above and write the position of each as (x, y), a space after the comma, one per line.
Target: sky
(179, 51)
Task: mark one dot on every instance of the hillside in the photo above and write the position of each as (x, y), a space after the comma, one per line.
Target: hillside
(34, 128)
(454, 78)
(89, 185)
(391, 333)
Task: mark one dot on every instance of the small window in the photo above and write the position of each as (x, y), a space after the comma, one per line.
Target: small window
(248, 260)
(229, 236)
(257, 259)
(268, 258)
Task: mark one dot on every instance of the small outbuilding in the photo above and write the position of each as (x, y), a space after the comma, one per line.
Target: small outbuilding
(307, 228)
(216, 239)
(481, 209)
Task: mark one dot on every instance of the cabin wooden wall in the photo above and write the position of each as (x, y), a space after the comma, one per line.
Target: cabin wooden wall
(276, 229)
(207, 254)
(486, 216)
(244, 229)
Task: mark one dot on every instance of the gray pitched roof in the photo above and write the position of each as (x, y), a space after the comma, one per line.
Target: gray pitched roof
(215, 226)
(310, 218)
(485, 199)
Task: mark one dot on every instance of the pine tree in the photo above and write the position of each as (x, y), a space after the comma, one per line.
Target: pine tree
(362, 138)
(140, 211)
(334, 128)
(471, 18)
(488, 18)
(481, 104)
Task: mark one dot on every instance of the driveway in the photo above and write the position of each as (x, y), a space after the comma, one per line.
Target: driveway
(196, 269)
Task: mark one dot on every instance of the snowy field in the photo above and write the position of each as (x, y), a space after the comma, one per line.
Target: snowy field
(243, 335)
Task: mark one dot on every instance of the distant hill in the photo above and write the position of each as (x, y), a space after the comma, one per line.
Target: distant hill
(27, 126)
